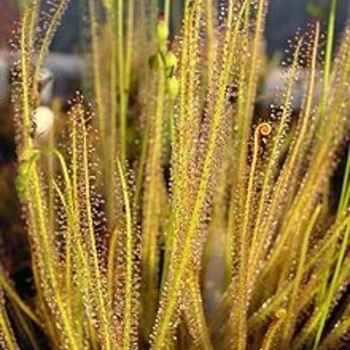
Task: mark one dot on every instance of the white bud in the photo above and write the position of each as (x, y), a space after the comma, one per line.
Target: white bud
(45, 76)
(43, 119)
(45, 81)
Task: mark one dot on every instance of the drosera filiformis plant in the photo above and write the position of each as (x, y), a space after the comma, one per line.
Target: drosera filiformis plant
(168, 172)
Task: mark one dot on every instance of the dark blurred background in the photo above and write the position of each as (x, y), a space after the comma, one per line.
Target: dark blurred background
(284, 18)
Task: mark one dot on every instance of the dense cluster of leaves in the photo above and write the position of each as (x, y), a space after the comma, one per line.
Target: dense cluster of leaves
(169, 174)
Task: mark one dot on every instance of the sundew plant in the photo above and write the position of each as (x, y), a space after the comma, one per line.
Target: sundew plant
(165, 212)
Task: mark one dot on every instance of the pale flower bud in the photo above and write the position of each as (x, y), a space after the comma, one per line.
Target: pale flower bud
(45, 85)
(45, 76)
(43, 119)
